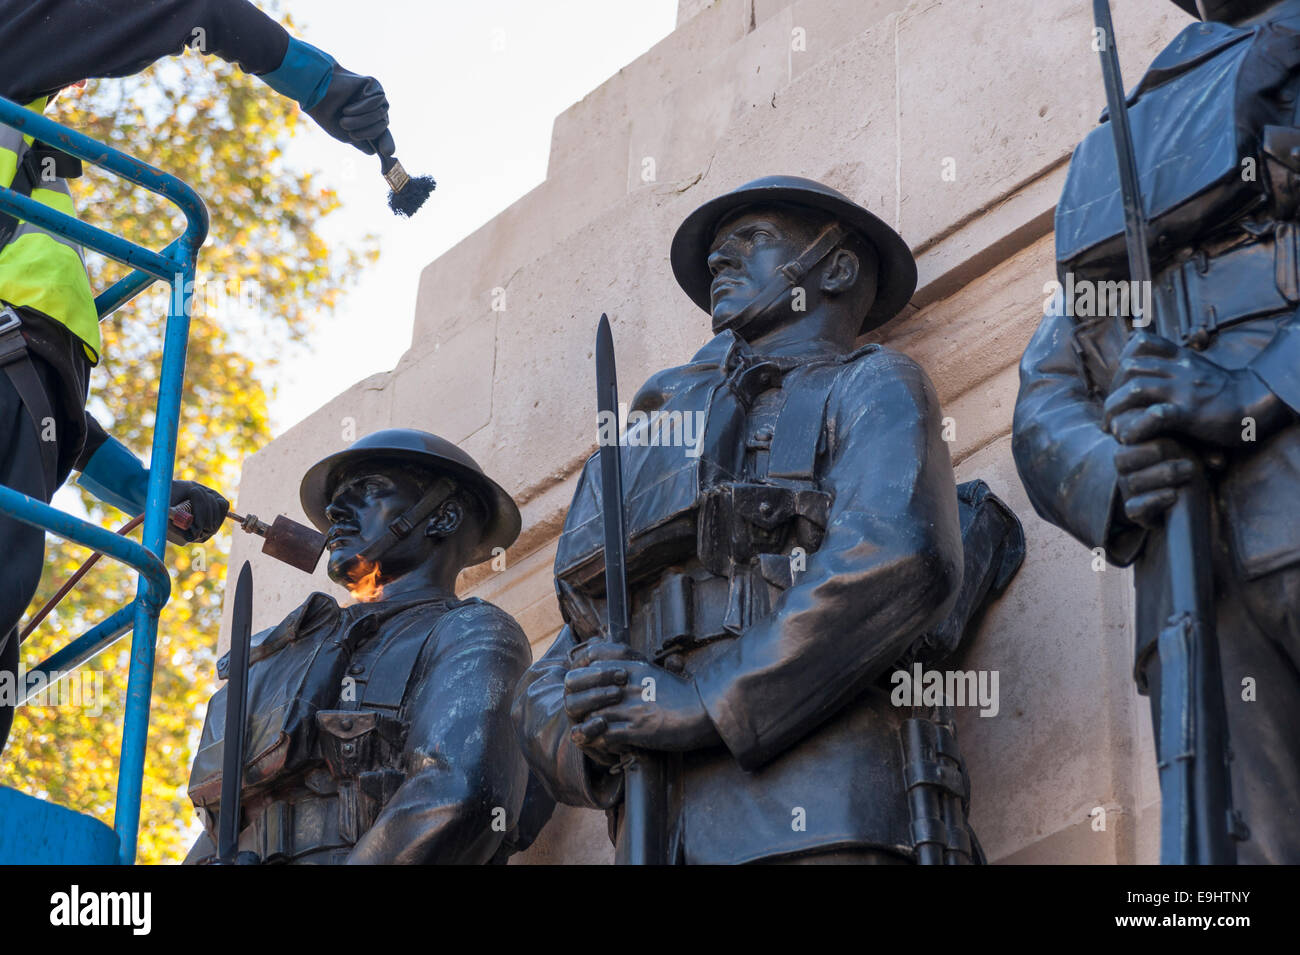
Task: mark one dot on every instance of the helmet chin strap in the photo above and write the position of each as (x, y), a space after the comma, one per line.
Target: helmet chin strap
(415, 515)
(786, 278)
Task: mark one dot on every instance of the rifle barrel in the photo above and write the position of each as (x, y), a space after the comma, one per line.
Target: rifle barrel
(1195, 788)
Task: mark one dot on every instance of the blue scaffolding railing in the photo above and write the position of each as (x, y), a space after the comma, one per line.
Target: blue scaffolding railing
(174, 265)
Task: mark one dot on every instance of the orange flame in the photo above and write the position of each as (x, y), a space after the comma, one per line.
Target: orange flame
(363, 582)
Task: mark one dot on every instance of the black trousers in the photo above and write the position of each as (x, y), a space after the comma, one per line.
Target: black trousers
(22, 546)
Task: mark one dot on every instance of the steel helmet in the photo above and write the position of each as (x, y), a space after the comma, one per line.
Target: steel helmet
(690, 250)
(423, 450)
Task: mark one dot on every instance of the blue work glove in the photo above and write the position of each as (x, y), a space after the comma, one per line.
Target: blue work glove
(350, 107)
(116, 476)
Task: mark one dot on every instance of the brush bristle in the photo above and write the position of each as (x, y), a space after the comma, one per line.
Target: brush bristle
(407, 202)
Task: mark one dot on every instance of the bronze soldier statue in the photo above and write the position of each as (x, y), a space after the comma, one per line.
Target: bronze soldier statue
(793, 531)
(379, 732)
(1114, 423)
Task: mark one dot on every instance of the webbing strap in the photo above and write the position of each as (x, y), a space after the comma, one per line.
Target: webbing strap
(410, 519)
(22, 374)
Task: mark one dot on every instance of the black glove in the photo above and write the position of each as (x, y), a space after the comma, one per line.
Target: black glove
(207, 507)
(353, 110)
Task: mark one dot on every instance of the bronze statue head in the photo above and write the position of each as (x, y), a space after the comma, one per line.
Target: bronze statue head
(781, 250)
(405, 505)
(368, 498)
(754, 244)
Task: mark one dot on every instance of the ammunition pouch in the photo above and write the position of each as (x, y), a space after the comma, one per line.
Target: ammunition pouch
(351, 741)
(744, 534)
(738, 521)
(362, 799)
(1196, 298)
(272, 833)
(680, 614)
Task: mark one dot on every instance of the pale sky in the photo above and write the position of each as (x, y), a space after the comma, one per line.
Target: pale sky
(474, 89)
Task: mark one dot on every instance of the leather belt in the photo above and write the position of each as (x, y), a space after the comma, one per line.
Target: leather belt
(683, 612)
(1201, 295)
(680, 614)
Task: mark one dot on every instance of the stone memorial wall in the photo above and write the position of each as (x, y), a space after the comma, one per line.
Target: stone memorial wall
(953, 120)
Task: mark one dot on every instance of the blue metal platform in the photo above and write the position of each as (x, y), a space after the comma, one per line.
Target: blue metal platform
(36, 832)
(28, 834)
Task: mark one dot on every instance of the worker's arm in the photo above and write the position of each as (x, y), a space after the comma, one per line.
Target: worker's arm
(53, 43)
(116, 476)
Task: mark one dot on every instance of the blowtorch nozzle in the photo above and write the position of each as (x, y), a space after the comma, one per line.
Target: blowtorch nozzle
(286, 540)
(250, 523)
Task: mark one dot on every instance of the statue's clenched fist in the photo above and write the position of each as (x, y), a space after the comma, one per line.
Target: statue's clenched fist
(1165, 390)
(618, 701)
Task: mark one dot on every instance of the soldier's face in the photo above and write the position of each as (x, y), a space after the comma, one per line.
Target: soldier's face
(363, 505)
(747, 252)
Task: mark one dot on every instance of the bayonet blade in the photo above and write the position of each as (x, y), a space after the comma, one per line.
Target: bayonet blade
(611, 483)
(644, 836)
(232, 769)
(1135, 217)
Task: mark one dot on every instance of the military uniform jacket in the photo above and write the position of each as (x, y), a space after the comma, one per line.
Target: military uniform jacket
(1216, 101)
(377, 733)
(785, 654)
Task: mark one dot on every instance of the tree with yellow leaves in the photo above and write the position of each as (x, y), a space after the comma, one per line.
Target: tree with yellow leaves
(264, 275)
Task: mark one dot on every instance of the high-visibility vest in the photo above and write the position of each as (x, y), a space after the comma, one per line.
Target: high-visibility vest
(40, 269)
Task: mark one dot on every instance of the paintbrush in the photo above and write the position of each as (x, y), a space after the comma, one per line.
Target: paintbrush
(407, 194)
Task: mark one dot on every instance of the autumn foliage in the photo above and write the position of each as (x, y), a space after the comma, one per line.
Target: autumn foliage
(265, 275)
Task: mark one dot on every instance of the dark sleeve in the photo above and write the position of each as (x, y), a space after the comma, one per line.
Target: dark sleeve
(95, 437)
(465, 777)
(1278, 365)
(1065, 458)
(48, 44)
(889, 567)
(542, 728)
